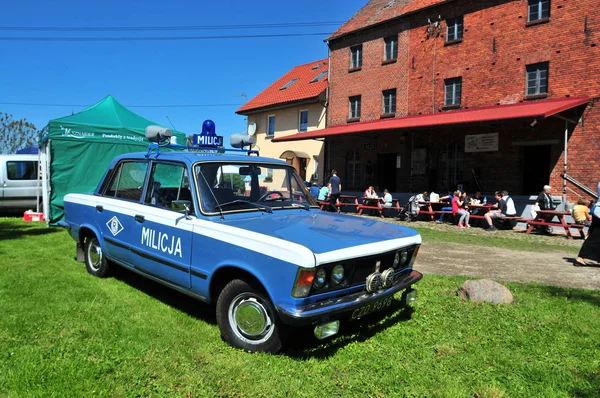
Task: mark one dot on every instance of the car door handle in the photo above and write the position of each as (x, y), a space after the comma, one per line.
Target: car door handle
(100, 208)
(139, 218)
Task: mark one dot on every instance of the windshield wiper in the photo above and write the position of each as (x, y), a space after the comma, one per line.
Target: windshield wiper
(300, 204)
(238, 201)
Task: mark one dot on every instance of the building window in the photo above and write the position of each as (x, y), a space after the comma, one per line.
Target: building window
(537, 79)
(538, 9)
(319, 77)
(453, 88)
(356, 57)
(454, 31)
(288, 84)
(303, 121)
(271, 126)
(355, 107)
(391, 48)
(389, 101)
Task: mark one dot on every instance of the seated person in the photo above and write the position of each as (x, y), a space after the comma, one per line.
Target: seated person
(581, 212)
(458, 209)
(506, 207)
(478, 199)
(323, 193)
(387, 198)
(314, 190)
(370, 193)
(446, 198)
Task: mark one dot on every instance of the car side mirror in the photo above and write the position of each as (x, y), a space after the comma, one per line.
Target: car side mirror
(182, 205)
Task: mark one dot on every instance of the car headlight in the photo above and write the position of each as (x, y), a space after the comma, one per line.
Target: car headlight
(396, 260)
(320, 278)
(337, 274)
(403, 256)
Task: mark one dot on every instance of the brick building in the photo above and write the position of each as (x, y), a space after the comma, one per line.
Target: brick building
(431, 94)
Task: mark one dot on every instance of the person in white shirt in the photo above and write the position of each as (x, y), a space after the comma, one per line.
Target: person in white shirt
(511, 211)
(370, 193)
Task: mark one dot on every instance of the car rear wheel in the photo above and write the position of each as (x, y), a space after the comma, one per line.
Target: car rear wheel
(247, 319)
(95, 260)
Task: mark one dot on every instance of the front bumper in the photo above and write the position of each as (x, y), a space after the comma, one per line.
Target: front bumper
(342, 307)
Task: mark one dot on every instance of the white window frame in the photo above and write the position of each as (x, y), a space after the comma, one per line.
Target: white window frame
(452, 25)
(535, 73)
(452, 84)
(300, 120)
(386, 97)
(538, 6)
(269, 125)
(354, 104)
(392, 41)
(356, 56)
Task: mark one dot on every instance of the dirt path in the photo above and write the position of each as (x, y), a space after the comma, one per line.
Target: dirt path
(552, 268)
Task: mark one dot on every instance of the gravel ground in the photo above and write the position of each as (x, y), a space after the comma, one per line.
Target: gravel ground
(548, 267)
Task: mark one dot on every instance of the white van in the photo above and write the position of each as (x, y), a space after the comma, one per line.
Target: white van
(19, 184)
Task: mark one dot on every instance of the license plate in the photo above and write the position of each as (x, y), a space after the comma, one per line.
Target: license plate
(372, 307)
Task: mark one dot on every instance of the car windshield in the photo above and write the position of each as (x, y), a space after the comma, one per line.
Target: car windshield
(248, 186)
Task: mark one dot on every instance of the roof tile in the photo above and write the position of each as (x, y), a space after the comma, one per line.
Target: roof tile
(301, 89)
(376, 11)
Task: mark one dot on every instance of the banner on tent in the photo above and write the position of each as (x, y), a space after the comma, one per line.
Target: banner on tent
(70, 133)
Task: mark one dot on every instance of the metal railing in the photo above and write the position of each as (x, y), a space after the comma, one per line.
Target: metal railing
(579, 185)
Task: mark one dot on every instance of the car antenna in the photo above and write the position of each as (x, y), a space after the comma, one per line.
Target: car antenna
(170, 122)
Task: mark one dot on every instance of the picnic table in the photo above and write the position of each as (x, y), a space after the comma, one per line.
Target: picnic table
(429, 211)
(539, 220)
(478, 211)
(378, 205)
(343, 201)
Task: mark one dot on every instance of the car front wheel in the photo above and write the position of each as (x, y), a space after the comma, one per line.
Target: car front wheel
(247, 319)
(95, 260)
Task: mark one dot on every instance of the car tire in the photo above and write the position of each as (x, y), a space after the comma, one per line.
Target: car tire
(95, 260)
(247, 318)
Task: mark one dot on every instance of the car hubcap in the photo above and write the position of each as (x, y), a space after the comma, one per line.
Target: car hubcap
(95, 255)
(250, 319)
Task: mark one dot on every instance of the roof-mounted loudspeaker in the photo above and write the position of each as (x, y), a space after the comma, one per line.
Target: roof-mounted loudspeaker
(241, 140)
(158, 133)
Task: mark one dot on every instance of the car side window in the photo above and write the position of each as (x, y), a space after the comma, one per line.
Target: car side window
(22, 170)
(128, 180)
(168, 187)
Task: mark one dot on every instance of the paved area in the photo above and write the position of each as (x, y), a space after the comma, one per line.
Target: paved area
(552, 268)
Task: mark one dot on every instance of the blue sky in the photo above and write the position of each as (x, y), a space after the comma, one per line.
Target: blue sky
(180, 72)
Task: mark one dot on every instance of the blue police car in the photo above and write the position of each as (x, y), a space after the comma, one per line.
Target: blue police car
(241, 231)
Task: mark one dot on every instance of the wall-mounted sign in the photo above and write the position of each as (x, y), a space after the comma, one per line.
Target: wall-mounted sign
(481, 142)
(370, 147)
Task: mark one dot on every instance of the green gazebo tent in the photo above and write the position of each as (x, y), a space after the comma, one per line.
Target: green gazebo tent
(77, 149)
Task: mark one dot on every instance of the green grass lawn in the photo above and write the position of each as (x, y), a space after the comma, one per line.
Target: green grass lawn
(66, 333)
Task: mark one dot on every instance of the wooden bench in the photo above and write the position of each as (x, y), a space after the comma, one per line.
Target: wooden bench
(532, 223)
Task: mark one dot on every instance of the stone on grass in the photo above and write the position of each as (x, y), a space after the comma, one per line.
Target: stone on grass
(485, 290)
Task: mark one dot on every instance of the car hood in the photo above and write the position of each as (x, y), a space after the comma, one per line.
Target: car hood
(325, 232)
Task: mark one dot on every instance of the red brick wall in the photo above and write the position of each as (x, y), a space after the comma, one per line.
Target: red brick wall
(491, 59)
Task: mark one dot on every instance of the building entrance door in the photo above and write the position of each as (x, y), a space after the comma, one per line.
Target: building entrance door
(386, 172)
(536, 168)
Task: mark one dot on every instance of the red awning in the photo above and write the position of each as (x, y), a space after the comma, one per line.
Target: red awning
(539, 109)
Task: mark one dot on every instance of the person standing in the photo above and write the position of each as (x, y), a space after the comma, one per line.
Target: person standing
(591, 246)
(336, 187)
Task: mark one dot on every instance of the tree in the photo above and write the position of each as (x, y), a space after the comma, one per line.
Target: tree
(15, 134)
